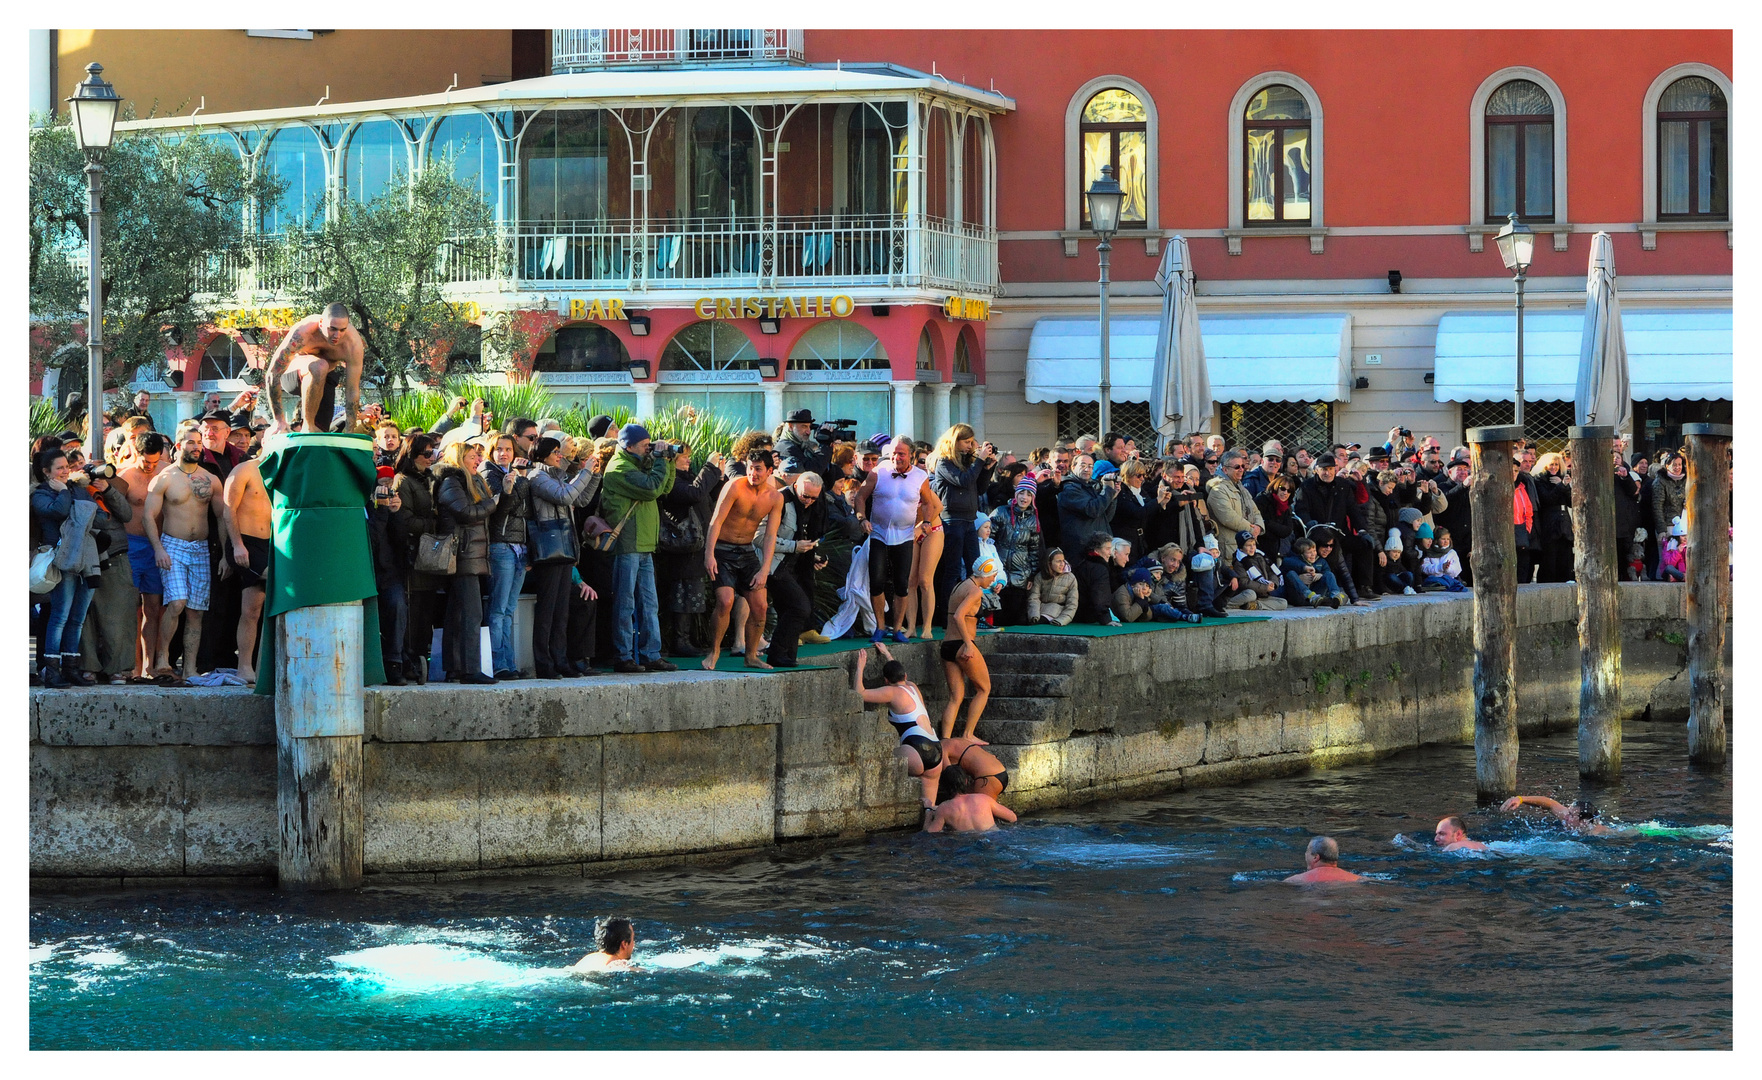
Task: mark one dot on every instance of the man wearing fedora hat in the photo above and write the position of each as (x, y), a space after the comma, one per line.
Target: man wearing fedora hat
(802, 450)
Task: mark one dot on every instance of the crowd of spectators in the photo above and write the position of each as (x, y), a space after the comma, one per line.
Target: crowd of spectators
(160, 550)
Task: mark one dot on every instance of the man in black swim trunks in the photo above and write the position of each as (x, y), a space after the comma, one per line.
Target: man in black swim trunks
(319, 352)
(245, 550)
(729, 557)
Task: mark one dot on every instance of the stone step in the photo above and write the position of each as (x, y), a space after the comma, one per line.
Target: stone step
(1037, 643)
(1033, 663)
(1029, 685)
(1023, 708)
(1021, 732)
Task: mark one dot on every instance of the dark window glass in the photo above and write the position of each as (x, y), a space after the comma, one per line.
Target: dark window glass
(1520, 152)
(1693, 169)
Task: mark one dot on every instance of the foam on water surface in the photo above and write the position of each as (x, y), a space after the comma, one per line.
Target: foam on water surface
(418, 967)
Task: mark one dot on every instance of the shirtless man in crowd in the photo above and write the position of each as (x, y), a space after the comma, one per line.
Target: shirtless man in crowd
(728, 552)
(149, 460)
(961, 660)
(247, 554)
(183, 496)
(319, 352)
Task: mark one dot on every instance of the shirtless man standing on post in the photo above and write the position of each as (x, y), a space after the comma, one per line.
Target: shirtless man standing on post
(247, 554)
(728, 551)
(961, 660)
(149, 460)
(320, 351)
(183, 495)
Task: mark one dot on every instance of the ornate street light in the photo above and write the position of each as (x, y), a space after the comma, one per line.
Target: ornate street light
(94, 106)
(1517, 246)
(1105, 197)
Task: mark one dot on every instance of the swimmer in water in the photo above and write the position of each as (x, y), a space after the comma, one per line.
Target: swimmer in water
(1580, 817)
(615, 941)
(919, 749)
(1323, 860)
(961, 809)
(1450, 835)
(988, 774)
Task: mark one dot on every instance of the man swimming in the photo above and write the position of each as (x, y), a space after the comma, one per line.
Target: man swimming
(961, 660)
(1323, 860)
(1450, 835)
(919, 749)
(319, 352)
(614, 942)
(1579, 817)
(962, 809)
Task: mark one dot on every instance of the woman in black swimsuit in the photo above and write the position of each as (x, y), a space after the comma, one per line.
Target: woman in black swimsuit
(989, 775)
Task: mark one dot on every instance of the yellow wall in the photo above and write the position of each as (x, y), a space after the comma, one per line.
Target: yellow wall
(177, 67)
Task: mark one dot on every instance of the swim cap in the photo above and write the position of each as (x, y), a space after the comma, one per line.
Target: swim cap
(987, 565)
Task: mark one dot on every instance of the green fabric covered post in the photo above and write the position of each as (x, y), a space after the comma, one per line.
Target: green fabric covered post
(322, 646)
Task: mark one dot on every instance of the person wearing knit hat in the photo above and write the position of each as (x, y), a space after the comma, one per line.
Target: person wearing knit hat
(1027, 483)
(598, 426)
(1020, 539)
(632, 434)
(1102, 468)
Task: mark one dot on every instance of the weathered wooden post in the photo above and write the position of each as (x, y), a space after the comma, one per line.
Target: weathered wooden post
(318, 726)
(1708, 509)
(1599, 605)
(1494, 558)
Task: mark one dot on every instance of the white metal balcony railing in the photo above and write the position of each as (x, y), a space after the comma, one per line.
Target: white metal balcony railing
(594, 50)
(806, 252)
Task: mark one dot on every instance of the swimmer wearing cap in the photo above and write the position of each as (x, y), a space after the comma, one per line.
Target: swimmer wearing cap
(919, 750)
(961, 660)
(614, 942)
(1323, 860)
(1579, 817)
(1451, 835)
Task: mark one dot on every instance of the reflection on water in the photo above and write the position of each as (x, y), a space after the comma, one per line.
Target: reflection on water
(1156, 924)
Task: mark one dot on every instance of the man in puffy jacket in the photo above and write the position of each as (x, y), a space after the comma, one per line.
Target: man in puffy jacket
(635, 478)
(1085, 505)
(1325, 498)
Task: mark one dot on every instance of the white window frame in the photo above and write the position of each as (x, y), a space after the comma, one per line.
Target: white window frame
(1073, 230)
(1316, 229)
(1649, 155)
(1478, 228)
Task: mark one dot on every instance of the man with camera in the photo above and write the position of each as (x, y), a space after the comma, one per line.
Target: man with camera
(805, 450)
(639, 473)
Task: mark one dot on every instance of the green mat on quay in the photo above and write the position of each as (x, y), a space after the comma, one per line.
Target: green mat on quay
(1098, 630)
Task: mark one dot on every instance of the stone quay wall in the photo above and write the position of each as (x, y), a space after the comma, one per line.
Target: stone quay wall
(132, 786)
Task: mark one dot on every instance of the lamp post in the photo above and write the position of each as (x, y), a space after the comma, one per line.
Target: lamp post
(1105, 197)
(1517, 245)
(94, 106)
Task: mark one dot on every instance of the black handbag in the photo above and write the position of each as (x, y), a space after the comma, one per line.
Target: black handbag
(552, 541)
(680, 535)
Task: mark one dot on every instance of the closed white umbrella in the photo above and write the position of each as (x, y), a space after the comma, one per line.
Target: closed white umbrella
(1602, 398)
(1180, 388)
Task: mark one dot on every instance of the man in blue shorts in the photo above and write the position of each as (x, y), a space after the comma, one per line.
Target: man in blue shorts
(148, 459)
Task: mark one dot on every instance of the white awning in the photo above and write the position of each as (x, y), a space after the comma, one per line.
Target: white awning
(1248, 358)
(1671, 355)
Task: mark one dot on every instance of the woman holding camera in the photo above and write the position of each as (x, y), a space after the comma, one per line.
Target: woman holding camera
(464, 502)
(554, 497)
(507, 549)
(52, 503)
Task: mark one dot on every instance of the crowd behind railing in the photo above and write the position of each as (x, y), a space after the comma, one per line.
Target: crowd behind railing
(148, 567)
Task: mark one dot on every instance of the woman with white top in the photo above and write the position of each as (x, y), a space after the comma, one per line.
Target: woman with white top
(895, 504)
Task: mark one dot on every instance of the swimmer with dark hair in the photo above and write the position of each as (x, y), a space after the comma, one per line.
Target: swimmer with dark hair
(614, 942)
(919, 749)
(1581, 816)
(990, 777)
(961, 809)
(1452, 835)
(1323, 860)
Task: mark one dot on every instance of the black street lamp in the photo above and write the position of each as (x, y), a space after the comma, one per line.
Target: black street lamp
(1517, 246)
(94, 106)
(1105, 197)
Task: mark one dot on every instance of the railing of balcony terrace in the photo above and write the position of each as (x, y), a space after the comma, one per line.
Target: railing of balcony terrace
(593, 50)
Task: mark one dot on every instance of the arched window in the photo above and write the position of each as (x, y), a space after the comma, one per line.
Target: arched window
(724, 163)
(222, 359)
(582, 348)
(963, 357)
(375, 154)
(709, 346)
(295, 157)
(1693, 169)
(1276, 164)
(1520, 152)
(1115, 131)
(875, 143)
(838, 345)
(563, 167)
(466, 144)
(926, 352)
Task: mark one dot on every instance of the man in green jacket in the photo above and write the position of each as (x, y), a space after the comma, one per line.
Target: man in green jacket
(634, 480)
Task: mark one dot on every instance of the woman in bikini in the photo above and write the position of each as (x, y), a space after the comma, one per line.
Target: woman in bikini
(988, 774)
(920, 594)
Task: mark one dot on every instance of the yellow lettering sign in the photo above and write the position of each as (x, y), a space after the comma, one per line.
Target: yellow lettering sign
(789, 309)
(960, 307)
(849, 306)
(577, 309)
(724, 309)
(702, 303)
(615, 309)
